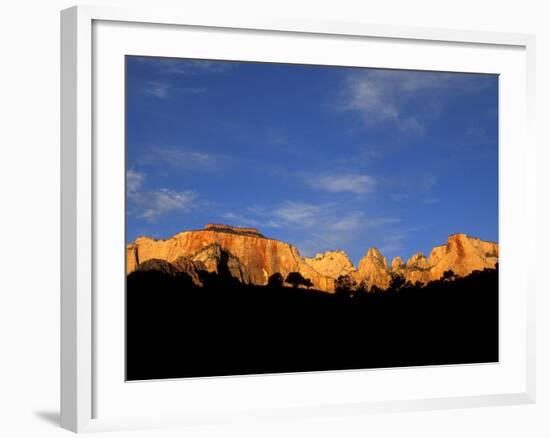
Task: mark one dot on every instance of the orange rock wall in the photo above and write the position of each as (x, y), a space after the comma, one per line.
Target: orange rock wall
(263, 257)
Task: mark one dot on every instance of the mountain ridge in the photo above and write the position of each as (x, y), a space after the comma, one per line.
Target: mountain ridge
(254, 258)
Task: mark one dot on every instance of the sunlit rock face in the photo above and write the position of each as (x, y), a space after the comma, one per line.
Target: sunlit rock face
(373, 269)
(331, 263)
(251, 258)
(216, 260)
(246, 255)
(417, 269)
(418, 261)
(397, 265)
(462, 255)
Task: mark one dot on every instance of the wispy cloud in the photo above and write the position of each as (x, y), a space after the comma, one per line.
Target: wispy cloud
(182, 157)
(173, 66)
(399, 197)
(314, 227)
(158, 89)
(430, 201)
(351, 221)
(415, 188)
(352, 183)
(165, 89)
(276, 136)
(152, 204)
(377, 96)
(166, 83)
(393, 243)
(300, 213)
(134, 182)
(246, 220)
(162, 201)
(383, 96)
(303, 215)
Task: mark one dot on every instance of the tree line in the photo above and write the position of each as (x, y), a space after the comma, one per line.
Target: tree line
(346, 285)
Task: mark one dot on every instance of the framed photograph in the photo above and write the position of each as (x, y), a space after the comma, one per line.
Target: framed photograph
(268, 218)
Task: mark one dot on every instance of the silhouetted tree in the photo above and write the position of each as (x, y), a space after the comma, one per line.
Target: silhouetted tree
(375, 289)
(363, 288)
(275, 280)
(448, 275)
(397, 281)
(296, 279)
(344, 285)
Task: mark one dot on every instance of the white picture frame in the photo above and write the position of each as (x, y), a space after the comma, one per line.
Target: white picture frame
(84, 174)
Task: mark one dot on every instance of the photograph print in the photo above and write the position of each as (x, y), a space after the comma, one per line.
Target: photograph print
(285, 218)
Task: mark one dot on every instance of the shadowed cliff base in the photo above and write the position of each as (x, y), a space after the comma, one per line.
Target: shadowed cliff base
(177, 329)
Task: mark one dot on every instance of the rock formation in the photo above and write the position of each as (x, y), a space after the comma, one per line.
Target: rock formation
(462, 255)
(397, 265)
(249, 257)
(189, 267)
(182, 265)
(331, 263)
(157, 265)
(373, 269)
(216, 260)
(418, 261)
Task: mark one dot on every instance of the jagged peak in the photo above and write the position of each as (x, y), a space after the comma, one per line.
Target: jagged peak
(461, 236)
(374, 252)
(331, 263)
(397, 263)
(464, 236)
(329, 253)
(374, 256)
(417, 256)
(418, 260)
(206, 248)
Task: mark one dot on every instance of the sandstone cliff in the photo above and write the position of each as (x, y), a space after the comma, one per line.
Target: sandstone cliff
(251, 258)
(461, 254)
(373, 270)
(215, 259)
(331, 264)
(397, 265)
(246, 255)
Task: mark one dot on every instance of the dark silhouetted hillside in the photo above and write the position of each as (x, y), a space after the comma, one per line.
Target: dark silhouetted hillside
(177, 329)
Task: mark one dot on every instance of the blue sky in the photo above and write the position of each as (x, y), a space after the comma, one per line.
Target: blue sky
(321, 157)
